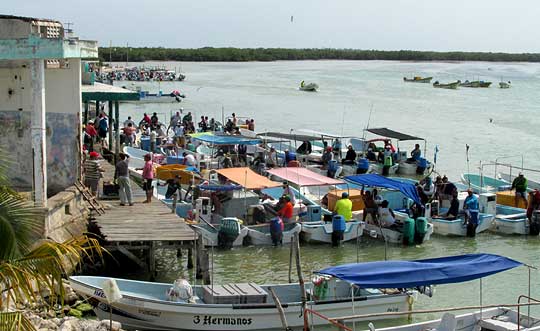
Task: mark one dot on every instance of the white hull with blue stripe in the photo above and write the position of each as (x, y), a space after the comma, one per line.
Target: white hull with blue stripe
(321, 232)
(457, 228)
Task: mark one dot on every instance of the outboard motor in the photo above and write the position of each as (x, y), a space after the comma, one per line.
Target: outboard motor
(362, 166)
(534, 227)
(338, 228)
(276, 230)
(408, 231)
(421, 166)
(229, 230)
(420, 228)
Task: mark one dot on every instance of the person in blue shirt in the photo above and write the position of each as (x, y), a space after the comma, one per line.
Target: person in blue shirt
(416, 153)
(470, 206)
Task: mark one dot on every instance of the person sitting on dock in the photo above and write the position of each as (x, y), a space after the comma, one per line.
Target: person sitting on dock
(370, 206)
(350, 157)
(520, 185)
(470, 206)
(416, 153)
(343, 206)
(286, 211)
(387, 218)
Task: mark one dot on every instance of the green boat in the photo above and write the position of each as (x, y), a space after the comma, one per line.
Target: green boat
(481, 183)
(450, 86)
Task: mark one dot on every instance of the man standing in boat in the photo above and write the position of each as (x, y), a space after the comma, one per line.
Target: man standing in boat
(520, 185)
(343, 206)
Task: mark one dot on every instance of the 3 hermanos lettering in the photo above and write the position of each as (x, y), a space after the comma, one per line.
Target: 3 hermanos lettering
(210, 320)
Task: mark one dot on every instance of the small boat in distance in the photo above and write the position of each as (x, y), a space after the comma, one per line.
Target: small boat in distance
(418, 79)
(505, 84)
(475, 83)
(310, 87)
(450, 86)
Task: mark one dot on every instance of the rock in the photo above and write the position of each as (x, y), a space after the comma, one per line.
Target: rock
(71, 297)
(116, 326)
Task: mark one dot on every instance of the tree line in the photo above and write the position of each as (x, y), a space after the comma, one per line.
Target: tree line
(210, 54)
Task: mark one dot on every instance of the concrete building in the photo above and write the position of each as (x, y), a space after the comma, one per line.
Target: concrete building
(40, 107)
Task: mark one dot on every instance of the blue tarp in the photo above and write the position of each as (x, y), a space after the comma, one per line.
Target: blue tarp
(220, 187)
(227, 140)
(374, 180)
(410, 274)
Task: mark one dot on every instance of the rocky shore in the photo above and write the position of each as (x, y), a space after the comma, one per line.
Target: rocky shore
(74, 315)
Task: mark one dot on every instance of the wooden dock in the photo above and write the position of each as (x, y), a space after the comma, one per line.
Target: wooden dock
(141, 227)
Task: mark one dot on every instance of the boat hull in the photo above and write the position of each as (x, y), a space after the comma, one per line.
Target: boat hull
(450, 86)
(456, 228)
(410, 169)
(258, 237)
(377, 168)
(426, 80)
(210, 237)
(320, 232)
(391, 235)
(136, 312)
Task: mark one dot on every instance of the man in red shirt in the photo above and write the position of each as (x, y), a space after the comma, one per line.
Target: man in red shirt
(90, 134)
(286, 212)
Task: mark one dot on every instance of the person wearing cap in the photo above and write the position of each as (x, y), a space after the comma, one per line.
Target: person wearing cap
(287, 190)
(92, 172)
(90, 132)
(520, 185)
(471, 208)
(343, 206)
(121, 174)
(327, 157)
(286, 211)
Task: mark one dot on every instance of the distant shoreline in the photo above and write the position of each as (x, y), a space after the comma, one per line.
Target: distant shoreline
(210, 54)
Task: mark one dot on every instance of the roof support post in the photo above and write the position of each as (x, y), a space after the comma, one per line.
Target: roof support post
(39, 136)
(110, 125)
(117, 132)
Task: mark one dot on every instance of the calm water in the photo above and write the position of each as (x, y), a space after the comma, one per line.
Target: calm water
(348, 90)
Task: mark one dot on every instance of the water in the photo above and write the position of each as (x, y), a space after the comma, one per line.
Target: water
(348, 90)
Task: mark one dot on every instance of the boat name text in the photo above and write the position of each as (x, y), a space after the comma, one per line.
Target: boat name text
(209, 320)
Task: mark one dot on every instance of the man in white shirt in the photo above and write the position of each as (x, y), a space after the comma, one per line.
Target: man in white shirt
(386, 215)
(189, 160)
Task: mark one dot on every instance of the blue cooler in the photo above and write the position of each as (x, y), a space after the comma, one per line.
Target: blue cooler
(338, 223)
(178, 159)
(362, 166)
(145, 143)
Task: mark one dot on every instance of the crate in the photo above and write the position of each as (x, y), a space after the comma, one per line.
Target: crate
(354, 195)
(110, 189)
(507, 198)
(234, 294)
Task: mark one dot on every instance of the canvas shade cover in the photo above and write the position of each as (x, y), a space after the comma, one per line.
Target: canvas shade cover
(385, 132)
(375, 180)
(303, 177)
(410, 274)
(247, 178)
(210, 138)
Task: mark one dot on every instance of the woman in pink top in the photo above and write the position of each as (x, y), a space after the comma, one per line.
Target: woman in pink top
(148, 176)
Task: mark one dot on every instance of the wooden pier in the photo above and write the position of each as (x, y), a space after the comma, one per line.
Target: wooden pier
(136, 231)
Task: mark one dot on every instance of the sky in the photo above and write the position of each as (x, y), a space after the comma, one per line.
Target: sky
(457, 25)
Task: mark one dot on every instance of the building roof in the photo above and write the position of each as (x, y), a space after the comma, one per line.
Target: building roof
(105, 92)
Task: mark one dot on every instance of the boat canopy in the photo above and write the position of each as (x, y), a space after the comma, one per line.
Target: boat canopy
(410, 274)
(211, 138)
(385, 132)
(247, 178)
(321, 134)
(303, 177)
(219, 188)
(289, 136)
(375, 180)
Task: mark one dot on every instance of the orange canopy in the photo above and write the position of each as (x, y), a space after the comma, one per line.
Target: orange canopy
(247, 178)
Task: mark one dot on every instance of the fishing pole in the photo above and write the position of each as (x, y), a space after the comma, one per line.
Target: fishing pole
(367, 125)
(468, 169)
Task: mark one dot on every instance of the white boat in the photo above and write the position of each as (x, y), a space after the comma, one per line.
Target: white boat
(392, 235)
(377, 168)
(310, 87)
(510, 220)
(504, 84)
(411, 168)
(232, 234)
(146, 306)
(321, 232)
(456, 227)
(500, 319)
(260, 234)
